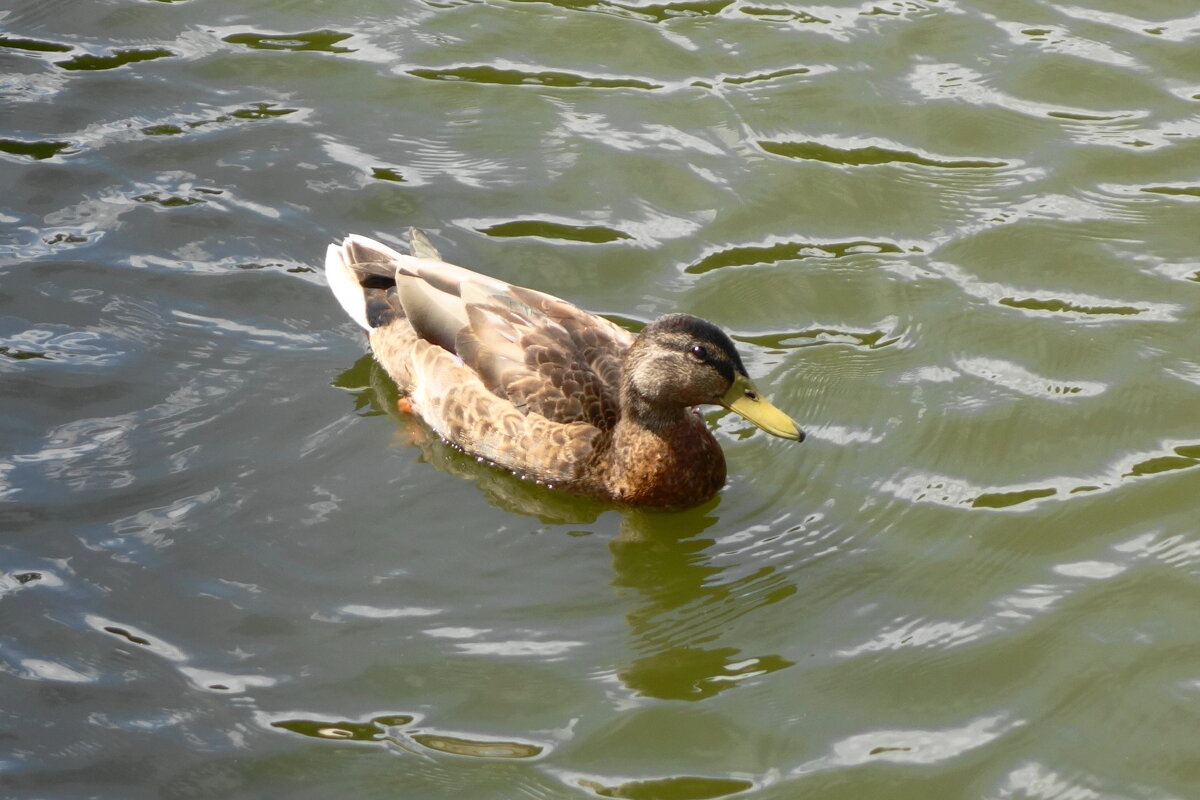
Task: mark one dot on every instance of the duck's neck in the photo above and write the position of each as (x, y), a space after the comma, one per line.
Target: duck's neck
(640, 412)
(666, 460)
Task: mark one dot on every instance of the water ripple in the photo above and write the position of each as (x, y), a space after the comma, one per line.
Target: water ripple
(399, 730)
(869, 155)
(777, 251)
(946, 490)
(956, 241)
(1071, 306)
(547, 229)
(911, 746)
(119, 58)
(517, 75)
(323, 41)
(36, 150)
(33, 45)
(648, 12)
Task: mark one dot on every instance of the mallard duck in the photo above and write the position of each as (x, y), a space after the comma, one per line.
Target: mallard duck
(550, 392)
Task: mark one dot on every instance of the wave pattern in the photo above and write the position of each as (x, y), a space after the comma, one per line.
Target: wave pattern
(956, 240)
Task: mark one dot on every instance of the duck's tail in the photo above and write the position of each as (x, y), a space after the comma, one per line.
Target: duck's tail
(362, 274)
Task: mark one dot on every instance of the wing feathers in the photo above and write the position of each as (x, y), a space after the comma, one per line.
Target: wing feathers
(502, 370)
(435, 316)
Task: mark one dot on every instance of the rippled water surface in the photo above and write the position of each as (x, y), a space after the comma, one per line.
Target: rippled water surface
(958, 241)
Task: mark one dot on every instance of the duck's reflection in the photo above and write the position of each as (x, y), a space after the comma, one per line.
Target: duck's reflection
(687, 607)
(663, 556)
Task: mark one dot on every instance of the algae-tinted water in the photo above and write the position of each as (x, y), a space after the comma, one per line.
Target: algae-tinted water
(957, 241)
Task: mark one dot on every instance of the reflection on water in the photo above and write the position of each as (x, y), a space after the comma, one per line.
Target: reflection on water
(384, 729)
(686, 603)
(655, 553)
(958, 239)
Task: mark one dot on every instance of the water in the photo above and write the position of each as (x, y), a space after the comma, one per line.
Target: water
(956, 240)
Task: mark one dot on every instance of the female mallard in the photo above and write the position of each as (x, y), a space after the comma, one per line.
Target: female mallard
(543, 389)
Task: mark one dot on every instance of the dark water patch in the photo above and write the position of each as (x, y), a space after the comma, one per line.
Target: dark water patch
(162, 130)
(1057, 306)
(323, 41)
(628, 323)
(658, 12)
(788, 251)
(1174, 191)
(661, 12)
(1154, 466)
(1077, 117)
(899, 8)
(280, 265)
(765, 76)
(869, 340)
(380, 729)
(254, 111)
(868, 156)
(515, 77)
(591, 234)
(372, 398)
(1009, 499)
(22, 355)
(168, 200)
(1182, 457)
(38, 151)
(34, 45)
(373, 730)
(387, 174)
(124, 634)
(66, 238)
(784, 15)
(260, 111)
(476, 748)
(676, 788)
(120, 58)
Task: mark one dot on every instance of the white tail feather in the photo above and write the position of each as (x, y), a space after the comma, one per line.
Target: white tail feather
(345, 286)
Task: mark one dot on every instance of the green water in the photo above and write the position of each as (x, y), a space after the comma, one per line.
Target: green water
(958, 241)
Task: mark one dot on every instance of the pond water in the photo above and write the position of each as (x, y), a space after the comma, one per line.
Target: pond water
(958, 240)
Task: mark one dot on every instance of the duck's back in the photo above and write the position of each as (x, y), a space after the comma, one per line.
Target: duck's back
(516, 376)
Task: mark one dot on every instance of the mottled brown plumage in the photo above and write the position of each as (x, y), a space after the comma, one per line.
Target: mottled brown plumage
(544, 389)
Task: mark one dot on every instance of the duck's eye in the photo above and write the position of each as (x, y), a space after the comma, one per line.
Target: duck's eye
(699, 352)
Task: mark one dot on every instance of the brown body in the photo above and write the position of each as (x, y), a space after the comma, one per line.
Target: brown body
(535, 385)
(665, 468)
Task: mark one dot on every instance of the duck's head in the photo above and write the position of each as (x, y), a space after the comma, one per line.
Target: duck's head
(679, 361)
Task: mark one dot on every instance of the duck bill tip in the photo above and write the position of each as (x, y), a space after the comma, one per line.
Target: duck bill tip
(744, 401)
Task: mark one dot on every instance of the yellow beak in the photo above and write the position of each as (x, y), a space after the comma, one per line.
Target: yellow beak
(742, 398)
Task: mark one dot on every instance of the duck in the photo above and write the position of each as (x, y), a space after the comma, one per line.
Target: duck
(539, 387)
